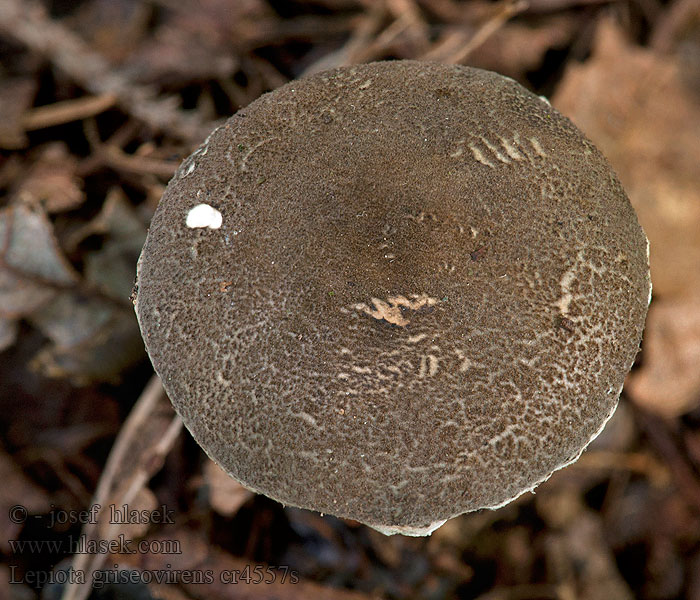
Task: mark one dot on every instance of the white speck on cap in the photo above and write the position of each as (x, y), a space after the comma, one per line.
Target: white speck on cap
(204, 215)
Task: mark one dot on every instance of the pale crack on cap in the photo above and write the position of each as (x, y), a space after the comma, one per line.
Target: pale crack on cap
(390, 311)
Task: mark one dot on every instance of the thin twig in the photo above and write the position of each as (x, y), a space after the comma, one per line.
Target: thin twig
(364, 32)
(67, 111)
(455, 51)
(144, 469)
(678, 16)
(661, 439)
(27, 22)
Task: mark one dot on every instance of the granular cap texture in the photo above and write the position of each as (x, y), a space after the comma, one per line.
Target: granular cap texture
(394, 292)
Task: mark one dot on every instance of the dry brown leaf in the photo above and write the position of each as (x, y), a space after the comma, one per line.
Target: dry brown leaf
(669, 382)
(113, 267)
(128, 518)
(104, 355)
(32, 267)
(69, 319)
(198, 41)
(16, 96)
(226, 495)
(173, 58)
(517, 48)
(281, 582)
(636, 106)
(11, 589)
(92, 329)
(8, 332)
(17, 489)
(103, 222)
(10, 169)
(52, 180)
(112, 27)
(580, 558)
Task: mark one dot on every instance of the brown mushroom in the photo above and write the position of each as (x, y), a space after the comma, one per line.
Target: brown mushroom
(394, 292)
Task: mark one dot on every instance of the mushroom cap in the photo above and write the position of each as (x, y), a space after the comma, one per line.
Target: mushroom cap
(394, 292)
